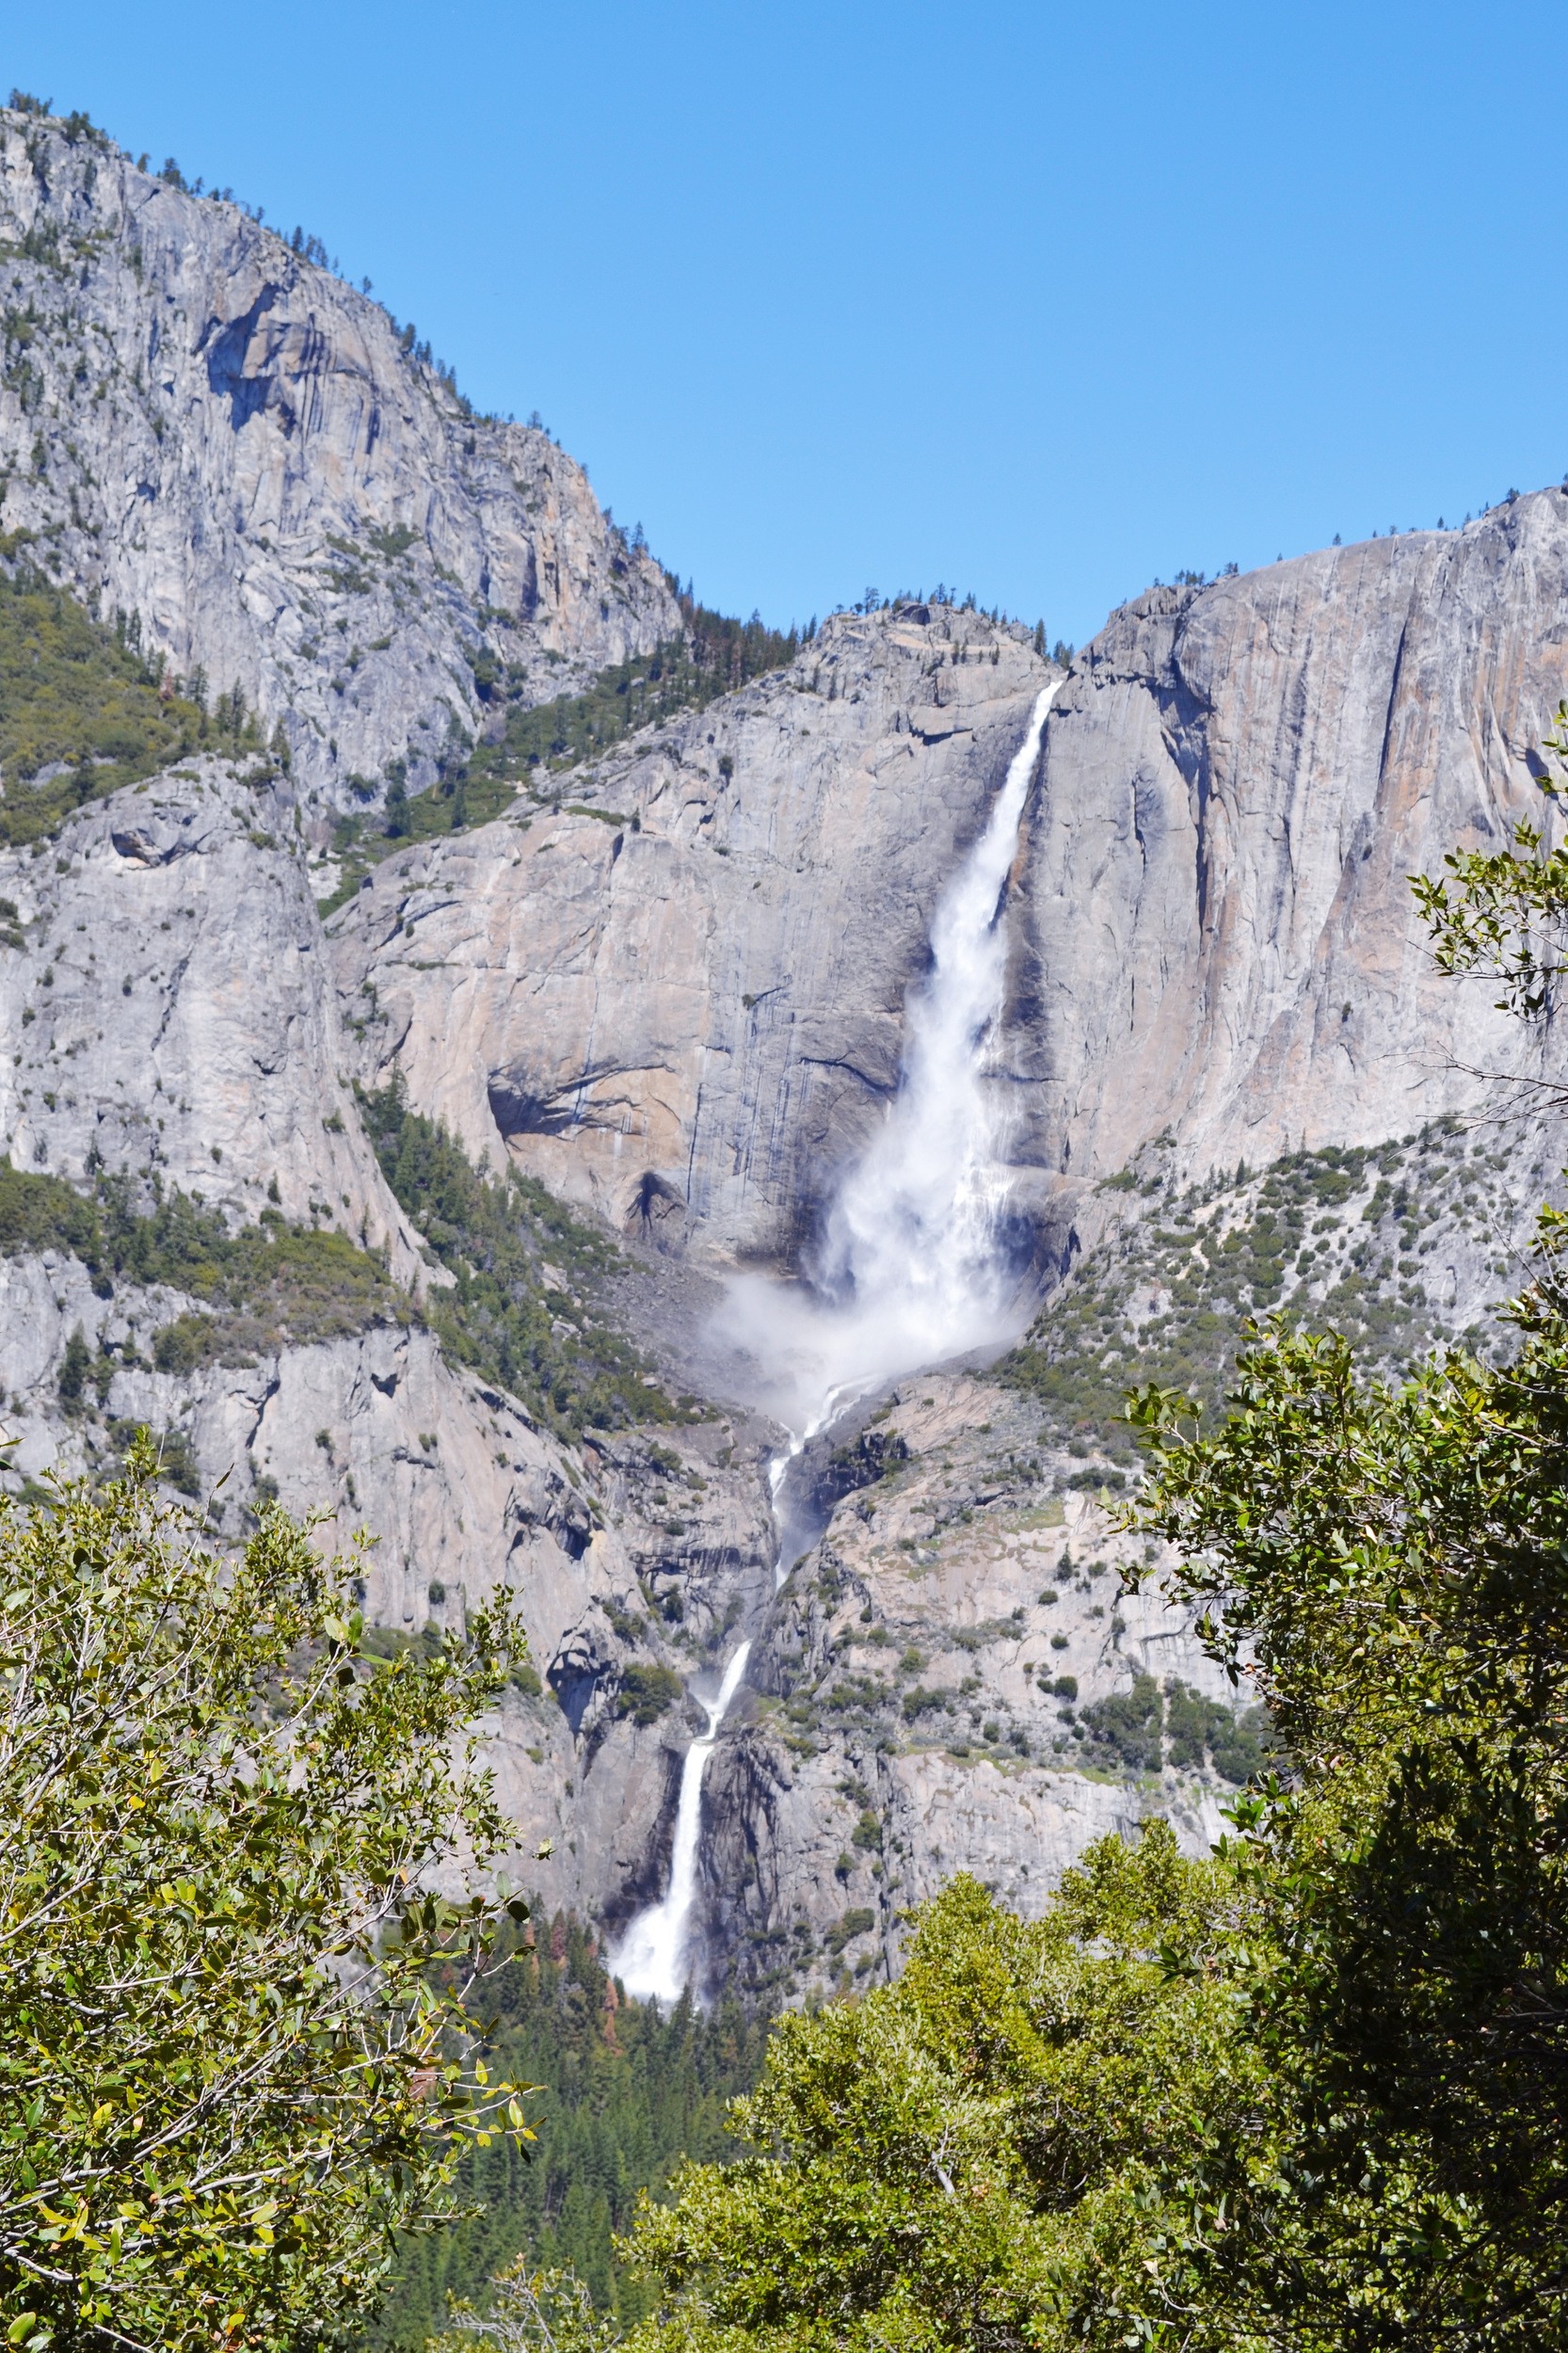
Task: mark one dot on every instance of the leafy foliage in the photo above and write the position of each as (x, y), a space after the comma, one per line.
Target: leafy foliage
(81, 712)
(1391, 1560)
(504, 1315)
(225, 2070)
(1387, 1563)
(623, 2092)
(1506, 912)
(1142, 1729)
(996, 2151)
(1340, 1235)
(647, 1692)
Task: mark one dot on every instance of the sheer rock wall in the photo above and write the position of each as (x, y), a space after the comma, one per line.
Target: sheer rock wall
(1216, 932)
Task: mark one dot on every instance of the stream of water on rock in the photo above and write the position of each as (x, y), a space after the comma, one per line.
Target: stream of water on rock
(651, 1960)
(910, 1272)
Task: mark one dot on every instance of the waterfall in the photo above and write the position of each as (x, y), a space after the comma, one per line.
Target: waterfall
(651, 1960)
(909, 1272)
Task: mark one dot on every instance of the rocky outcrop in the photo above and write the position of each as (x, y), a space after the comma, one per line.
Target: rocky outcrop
(918, 1696)
(453, 1493)
(172, 1012)
(680, 999)
(163, 988)
(201, 428)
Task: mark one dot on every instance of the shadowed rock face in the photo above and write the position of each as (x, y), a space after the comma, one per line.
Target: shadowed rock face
(238, 450)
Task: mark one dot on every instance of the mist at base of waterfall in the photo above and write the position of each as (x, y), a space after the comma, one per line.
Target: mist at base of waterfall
(913, 1266)
(804, 1359)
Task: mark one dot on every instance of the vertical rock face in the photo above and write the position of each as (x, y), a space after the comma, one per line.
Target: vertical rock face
(672, 986)
(171, 1021)
(690, 1016)
(1217, 933)
(200, 427)
(173, 1014)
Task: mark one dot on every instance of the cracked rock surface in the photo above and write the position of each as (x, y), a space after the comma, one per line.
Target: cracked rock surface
(203, 428)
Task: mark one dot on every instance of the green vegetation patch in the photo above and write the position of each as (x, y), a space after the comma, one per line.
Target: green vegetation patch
(713, 655)
(1138, 1731)
(453, 805)
(264, 1285)
(647, 1692)
(1334, 1237)
(503, 1316)
(82, 711)
(625, 2094)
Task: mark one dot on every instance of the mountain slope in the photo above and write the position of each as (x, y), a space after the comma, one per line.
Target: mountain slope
(669, 980)
(204, 429)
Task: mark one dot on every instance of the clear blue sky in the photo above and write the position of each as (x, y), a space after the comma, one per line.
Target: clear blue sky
(1040, 302)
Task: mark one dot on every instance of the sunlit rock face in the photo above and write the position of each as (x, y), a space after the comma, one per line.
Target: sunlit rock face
(1217, 933)
(204, 429)
(692, 1019)
(680, 999)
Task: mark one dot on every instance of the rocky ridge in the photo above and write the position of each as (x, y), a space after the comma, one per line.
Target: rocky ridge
(201, 428)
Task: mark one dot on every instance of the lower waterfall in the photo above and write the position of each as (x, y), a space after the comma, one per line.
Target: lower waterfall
(651, 1960)
(909, 1272)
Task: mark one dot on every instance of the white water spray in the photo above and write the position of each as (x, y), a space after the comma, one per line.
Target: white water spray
(652, 1959)
(909, 1273)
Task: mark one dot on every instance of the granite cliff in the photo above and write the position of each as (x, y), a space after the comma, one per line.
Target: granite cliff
(680, 999)
(201, 427)
(670, 983)
(690, 1015)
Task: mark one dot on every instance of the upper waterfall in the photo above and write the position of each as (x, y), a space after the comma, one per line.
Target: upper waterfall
(909, 1271)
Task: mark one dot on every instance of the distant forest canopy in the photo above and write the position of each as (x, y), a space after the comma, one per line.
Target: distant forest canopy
(625, 2092)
